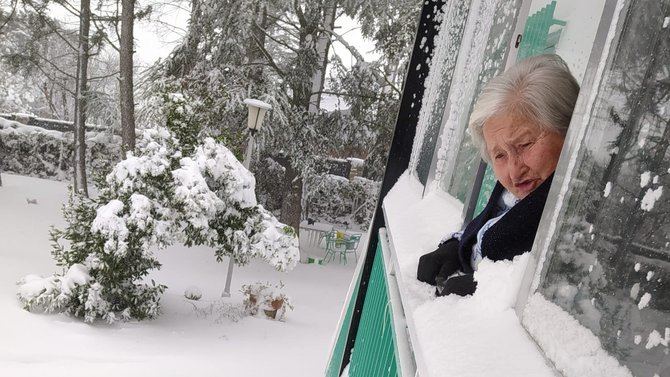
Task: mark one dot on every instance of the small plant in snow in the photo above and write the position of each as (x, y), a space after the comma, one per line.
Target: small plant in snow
(266, 299)
(151, 200)
(193, 293)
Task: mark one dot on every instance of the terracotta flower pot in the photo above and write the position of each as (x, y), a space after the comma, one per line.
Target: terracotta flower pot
(277, 304)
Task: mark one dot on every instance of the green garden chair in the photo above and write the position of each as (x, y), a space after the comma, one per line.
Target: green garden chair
(338, 243)
(351, 246)
(335, 243)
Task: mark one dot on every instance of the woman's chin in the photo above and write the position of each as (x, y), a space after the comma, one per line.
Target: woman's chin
(522, 190)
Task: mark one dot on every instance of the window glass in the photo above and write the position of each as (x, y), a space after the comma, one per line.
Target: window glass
(448, 41)
(564, 27)
(483, 55)
(608, 263)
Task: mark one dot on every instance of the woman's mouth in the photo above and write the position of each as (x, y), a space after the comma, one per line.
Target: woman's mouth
(526, 186)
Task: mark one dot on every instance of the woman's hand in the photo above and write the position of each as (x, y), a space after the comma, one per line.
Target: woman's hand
(462, 285)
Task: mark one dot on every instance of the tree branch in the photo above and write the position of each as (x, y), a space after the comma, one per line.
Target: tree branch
(103, 76)
(288, 23)
(299, 13)
(344, 94)
(54, 66)
(275, 39)
(69, 8)
(62, 86)
(353, 51)
(11, 15)
(52, 26)
(104, 35)
(268, 56)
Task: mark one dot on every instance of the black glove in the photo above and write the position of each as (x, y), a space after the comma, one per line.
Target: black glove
(439, 262)
(460, 285)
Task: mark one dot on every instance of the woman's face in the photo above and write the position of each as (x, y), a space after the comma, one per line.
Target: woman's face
(522, 154)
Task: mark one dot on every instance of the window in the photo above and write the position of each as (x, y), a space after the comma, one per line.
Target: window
(483, 55)
(608, 262)
(564, 27)
(454, 14)
(567, 28)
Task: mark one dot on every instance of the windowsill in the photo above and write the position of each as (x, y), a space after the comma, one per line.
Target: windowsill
(454, 336)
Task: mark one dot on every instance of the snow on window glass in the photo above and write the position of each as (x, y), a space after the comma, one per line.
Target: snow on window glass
(483, 54)
(454, 13)
(609, 260)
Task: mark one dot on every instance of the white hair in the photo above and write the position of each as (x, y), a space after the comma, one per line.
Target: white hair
(540, 89)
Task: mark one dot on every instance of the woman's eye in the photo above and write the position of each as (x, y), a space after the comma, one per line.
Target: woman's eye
(499, 156)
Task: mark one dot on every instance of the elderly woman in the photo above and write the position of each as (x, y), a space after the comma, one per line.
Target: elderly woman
(519, 124)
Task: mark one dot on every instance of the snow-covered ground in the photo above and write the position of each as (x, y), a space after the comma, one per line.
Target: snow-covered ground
(212, 340)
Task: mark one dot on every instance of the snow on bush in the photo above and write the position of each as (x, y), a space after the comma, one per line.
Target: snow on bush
(149, 201)
(266, 299)
(193, 293)
(338, 200)
(37, 152)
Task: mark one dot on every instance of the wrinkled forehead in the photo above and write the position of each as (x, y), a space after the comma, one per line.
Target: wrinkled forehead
(507, 129)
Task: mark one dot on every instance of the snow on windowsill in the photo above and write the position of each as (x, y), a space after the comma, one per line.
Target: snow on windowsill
(456, 336)
(573, 347)
(416, 226)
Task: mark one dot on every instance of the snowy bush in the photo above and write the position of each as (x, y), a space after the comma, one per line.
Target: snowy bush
(338, 200)
(266, 299)
(37, 152)
(149, 201)
(193, 293)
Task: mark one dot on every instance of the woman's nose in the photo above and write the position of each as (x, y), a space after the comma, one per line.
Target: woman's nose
(517, 168)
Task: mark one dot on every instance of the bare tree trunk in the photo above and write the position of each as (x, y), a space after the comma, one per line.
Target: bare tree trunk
(291, 208)
(81, 94)
(308, 95)
(322, 49)
(126, 77)
(255, 56)
(66, 114)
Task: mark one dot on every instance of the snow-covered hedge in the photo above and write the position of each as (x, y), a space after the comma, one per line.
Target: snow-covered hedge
(338, 200)
(36, 152)
(149, 201)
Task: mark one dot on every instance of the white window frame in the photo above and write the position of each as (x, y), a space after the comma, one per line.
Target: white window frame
(559, 192)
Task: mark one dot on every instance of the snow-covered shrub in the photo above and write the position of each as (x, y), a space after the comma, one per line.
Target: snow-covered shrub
(338, 200)
(180, 118)
(149, 201)
(37, 152)
(266, 299)
(193, 293)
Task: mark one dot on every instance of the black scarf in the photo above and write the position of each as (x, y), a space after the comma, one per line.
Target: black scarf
(512, 235)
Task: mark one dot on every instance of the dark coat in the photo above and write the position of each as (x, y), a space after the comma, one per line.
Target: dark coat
(512, 235)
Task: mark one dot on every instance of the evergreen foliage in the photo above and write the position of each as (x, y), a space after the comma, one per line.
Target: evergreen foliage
(148, 202)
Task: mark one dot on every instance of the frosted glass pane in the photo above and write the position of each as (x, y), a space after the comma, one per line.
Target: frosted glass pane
(608, 264)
